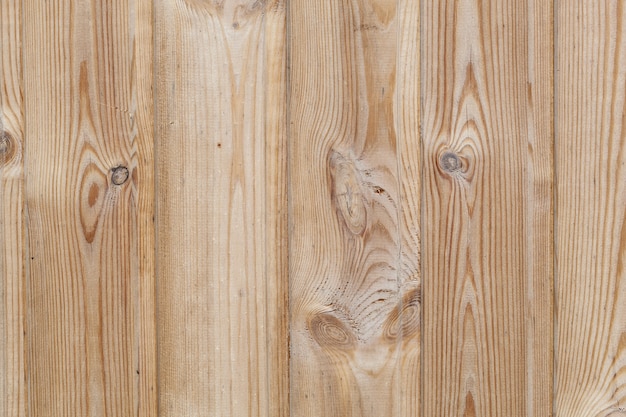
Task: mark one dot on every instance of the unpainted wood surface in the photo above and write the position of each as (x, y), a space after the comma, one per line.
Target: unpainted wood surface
(89, 333)
(221, 225)
(354, 270)
(487, 213)
(591, 209)
(312, 208)
(12, 232)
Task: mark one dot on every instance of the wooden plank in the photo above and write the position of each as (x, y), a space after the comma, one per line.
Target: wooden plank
(487, 258)
(354, 208)
(591, 208)
(220, 170)
(88, 188)
(12, 233)
(276, 206)
(407, 117)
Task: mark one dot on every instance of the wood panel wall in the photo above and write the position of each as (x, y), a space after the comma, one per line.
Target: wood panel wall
(312, 208)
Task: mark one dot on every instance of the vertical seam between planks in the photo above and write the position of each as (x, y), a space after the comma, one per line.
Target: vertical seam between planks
(155, 147)
(26, 219)
(268, 349)
(399, 225)
(555, 194)
(288, 192)
(422, 205)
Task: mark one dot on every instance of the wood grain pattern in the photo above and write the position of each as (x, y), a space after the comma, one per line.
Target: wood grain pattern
(487, 134)
(407, 119)
(12, 232)
(276, 206)
(220, 170)
(88, 118)
(591, 209)
(312, 208)
(354, 274)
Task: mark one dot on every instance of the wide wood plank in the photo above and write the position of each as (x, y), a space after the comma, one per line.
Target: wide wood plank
(90, 296)
(354, 208)
(591, 211)
(487, 235)
(221, 187)
(12, 233)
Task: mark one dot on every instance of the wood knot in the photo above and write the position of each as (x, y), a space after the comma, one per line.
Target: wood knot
(330, 332)
(119, 175)
(404, 320)
(7, 147)
(450, 162)
(347, 193)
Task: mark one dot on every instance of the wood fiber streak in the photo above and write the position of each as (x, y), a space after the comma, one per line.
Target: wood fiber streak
(354, 217)
(221, 220)
(90, 319)
(591, 209)
(487, 208)
(12, 233)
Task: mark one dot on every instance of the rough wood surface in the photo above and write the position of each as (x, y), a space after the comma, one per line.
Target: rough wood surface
(12, 232)
(89, 334)
(591, 209)
(354, 269)
(220, 189)
(312, 208)
(486, 253)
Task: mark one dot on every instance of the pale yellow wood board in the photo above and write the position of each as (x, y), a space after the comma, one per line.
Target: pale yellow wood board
(221, 234)
(487, 211)
(354, 218)
(12, 232)
(591, 209)
(89, 335)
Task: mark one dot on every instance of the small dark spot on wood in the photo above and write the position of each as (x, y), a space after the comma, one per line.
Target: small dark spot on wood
(378, 190)
(119, 175)
(32, 258)
(450, 162)
(236, 25)
(219, 145)
(137, 371)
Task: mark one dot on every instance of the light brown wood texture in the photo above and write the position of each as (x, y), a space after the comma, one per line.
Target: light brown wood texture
(90, 321)
(312, 208)
(487, 213)
(221, 219)
(354, 217)
(12, 232)
(591, 209)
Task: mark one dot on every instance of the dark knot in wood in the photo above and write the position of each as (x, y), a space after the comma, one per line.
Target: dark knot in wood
(450, 162)
(119, 175)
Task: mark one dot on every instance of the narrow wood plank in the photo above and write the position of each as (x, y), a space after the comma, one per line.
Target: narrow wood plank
(591, 210)
(143, 193)
(87, 185)
(487, 258)
(407, 118)
(12, 233)
(354, 268)
(220, 170)
(276, 209)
